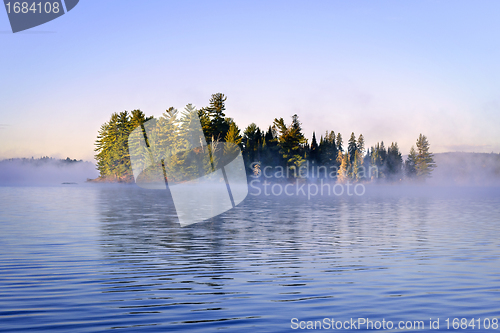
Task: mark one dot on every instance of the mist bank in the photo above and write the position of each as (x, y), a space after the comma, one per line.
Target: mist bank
(452, 169)
(467, 169)
(45, 171)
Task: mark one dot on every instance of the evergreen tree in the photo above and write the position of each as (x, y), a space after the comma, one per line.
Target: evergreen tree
(394, 163)
(411, 164)
(339, 143)
(270, 135)
(112, 151)
(213, 119)
(425, 162)
(378, 159)
(361, 145)
(328, 150)
(352, 147)
(382, 153)
(206, 123)
(252, 137)
(180, 145)
(291, 142)
(358, 172)
(233, 134)
(342, 173)
(314, 151)
(270, 147)
(104, 146)
(233, 139)
(367, 159)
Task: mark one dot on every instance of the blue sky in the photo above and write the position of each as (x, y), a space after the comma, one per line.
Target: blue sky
(387, 69)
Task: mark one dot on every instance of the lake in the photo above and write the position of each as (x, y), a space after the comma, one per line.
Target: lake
(84, 258)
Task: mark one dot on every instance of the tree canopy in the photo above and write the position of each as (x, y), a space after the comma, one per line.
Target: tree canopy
(282, 145)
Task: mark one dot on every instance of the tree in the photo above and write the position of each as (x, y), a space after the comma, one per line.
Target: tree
(182, 145)
(424, 161)
(352, 147)
(378, 159)
(339, 142)
(269, 153)
(233, 134)
(252, 137)
(328, 151)
(111, 147)
(394, 162)
(291, 142)
(361, 145)
(314, 151)
(213, 119)
(368, 158)
(358, 171)
(382, 153)
(411, 164)
(342, 173)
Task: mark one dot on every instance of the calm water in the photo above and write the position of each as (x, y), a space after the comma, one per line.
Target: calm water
(96, 258)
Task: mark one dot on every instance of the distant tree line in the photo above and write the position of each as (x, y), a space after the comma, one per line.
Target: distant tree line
(281, 148)
(42, 160)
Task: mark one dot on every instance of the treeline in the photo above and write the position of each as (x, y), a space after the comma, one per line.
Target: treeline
(281, 150)
(42, 161)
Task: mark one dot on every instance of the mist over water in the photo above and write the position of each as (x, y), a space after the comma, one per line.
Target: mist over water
(453, 169)
(44, 172)
(466, 169)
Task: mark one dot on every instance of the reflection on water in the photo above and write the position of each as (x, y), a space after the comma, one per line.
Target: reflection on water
(102, 257)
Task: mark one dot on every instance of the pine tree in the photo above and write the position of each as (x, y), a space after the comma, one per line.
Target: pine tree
(382, 153)
(339, 143)
(233, 140)
(233, 134)
(291, 142)
(358, 171)
(378, 159)
(252, 137)
(394, 163)
(367, 159)
(424, 162)
(361, 145)
(314, 151)
(269, 148)
(352, 147)
(411, 164)
(213, 118)
(328, 150)
(112, 151)
(342, 173)
(195, 159)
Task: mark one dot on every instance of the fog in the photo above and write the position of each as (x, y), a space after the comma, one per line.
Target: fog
(466, 169)
(453, 169)
(45, 172)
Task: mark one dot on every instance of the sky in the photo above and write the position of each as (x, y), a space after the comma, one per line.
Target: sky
(389, 70)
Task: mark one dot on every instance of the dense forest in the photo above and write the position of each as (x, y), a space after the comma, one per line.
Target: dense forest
(280, 151)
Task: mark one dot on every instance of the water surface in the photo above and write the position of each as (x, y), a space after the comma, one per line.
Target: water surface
(96, 258)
